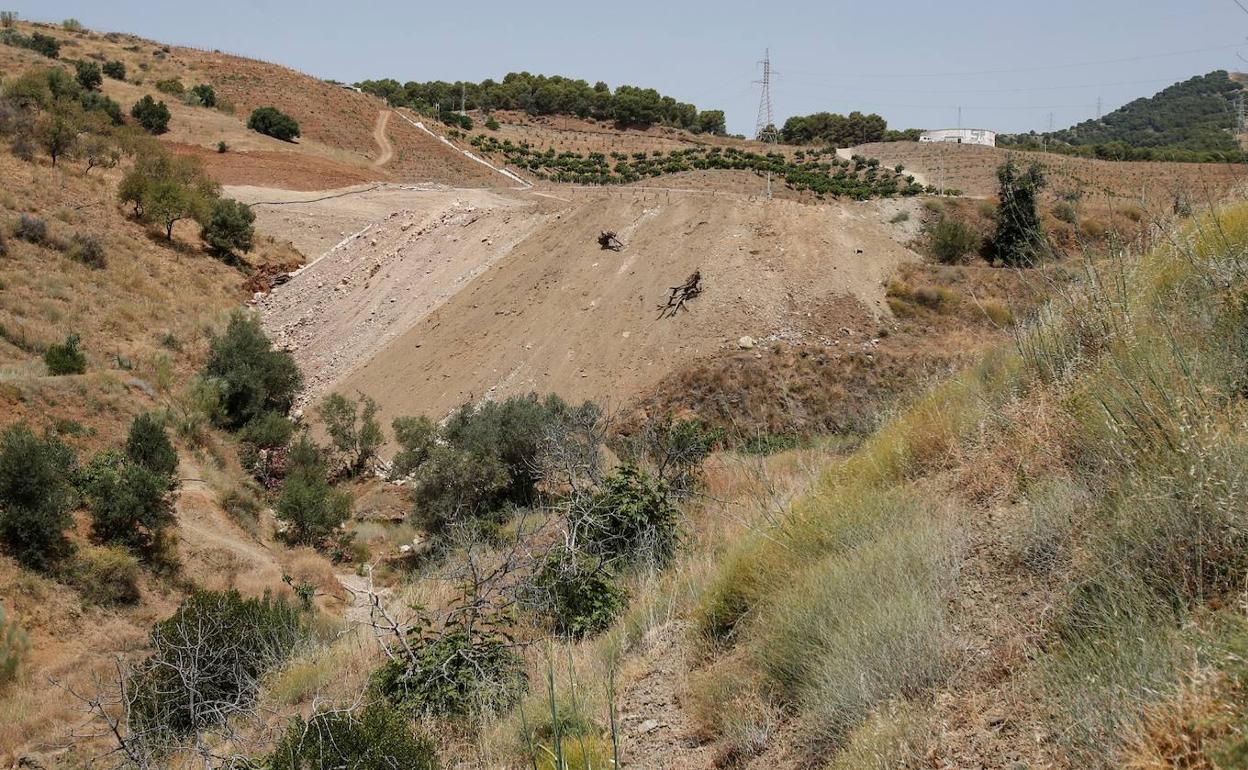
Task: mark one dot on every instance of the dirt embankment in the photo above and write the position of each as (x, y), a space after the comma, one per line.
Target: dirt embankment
(556, 313)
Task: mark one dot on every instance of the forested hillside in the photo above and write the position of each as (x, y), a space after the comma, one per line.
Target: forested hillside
(550, 95)
(1193, 120)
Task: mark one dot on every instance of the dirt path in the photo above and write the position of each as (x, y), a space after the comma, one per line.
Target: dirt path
(655, 730)
(383, 141)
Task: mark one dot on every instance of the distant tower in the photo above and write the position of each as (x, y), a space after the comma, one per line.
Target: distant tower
(766, 124)
(1099, 107)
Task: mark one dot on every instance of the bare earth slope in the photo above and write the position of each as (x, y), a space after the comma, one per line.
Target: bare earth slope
(558, 314)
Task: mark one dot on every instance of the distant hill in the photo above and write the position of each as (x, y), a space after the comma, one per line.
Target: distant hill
(1192, 120)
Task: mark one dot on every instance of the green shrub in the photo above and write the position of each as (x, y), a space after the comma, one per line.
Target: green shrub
(951, 240)
(152, 115)
(491, 124)
(207, 661)
(204, 94)
(88, 75)
(114, 69)
(312, 508)
(375, 737)
(456, 673)
(353, 429)
(45, 45)
(899, 217)
(230, 228)
(130, 504)
(14, 644)
(253, 378)
(222, 147)
(454, 486)
(65, 358)
(1019, 238)
(633, 518)
(416, 437)
(72, 25)
(511, 432)
(575, 594)
(88, 250)
(36, 496)
(271, 121)
(148, 445)
(106, 575)
(270, 430)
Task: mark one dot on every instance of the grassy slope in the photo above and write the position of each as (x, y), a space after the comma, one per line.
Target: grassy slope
(1050, 546)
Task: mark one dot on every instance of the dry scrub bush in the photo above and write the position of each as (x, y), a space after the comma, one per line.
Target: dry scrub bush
(14, 644)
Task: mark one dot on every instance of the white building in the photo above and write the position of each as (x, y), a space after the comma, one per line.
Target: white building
(961, 136)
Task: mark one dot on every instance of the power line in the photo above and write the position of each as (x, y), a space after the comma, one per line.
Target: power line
(799, 81)
(1242, 7)
(1041, 68)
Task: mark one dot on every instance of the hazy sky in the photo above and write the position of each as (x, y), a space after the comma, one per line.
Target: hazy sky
(913, 62)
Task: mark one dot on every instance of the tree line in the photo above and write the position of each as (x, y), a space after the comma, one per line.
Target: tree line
(550, 95)
(842, 130)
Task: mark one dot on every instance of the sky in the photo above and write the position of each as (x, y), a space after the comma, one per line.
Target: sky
(1011, 65)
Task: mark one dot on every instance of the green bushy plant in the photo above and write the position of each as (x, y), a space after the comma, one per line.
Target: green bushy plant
(204, 94)
(229, 228)
(1019, 238)
(271, 121)
(252, 376)
(130, 504)
(65, 358)
(114, 69)
(951, 240)
(416, 437)
(148, 445)
(353, 428)
(207, 660)
(152, 115)
(456, 673)
(308, 503)
(375, 737)
(633, 517)
(576, 594)
(36, 496)
(88, 74)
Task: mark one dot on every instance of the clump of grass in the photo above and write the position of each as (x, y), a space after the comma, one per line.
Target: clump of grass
(860, 629)
(900, 217)
(895, 735)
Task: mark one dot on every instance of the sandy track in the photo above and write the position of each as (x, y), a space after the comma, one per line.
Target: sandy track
(383, 141)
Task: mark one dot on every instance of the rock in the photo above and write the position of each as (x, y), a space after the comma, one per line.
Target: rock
(650, 725)
(746, 343)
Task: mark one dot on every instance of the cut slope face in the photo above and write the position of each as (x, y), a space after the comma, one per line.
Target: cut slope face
(389, 257)
(558, 314)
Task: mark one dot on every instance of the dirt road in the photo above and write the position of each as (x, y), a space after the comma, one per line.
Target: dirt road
(383, 141)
